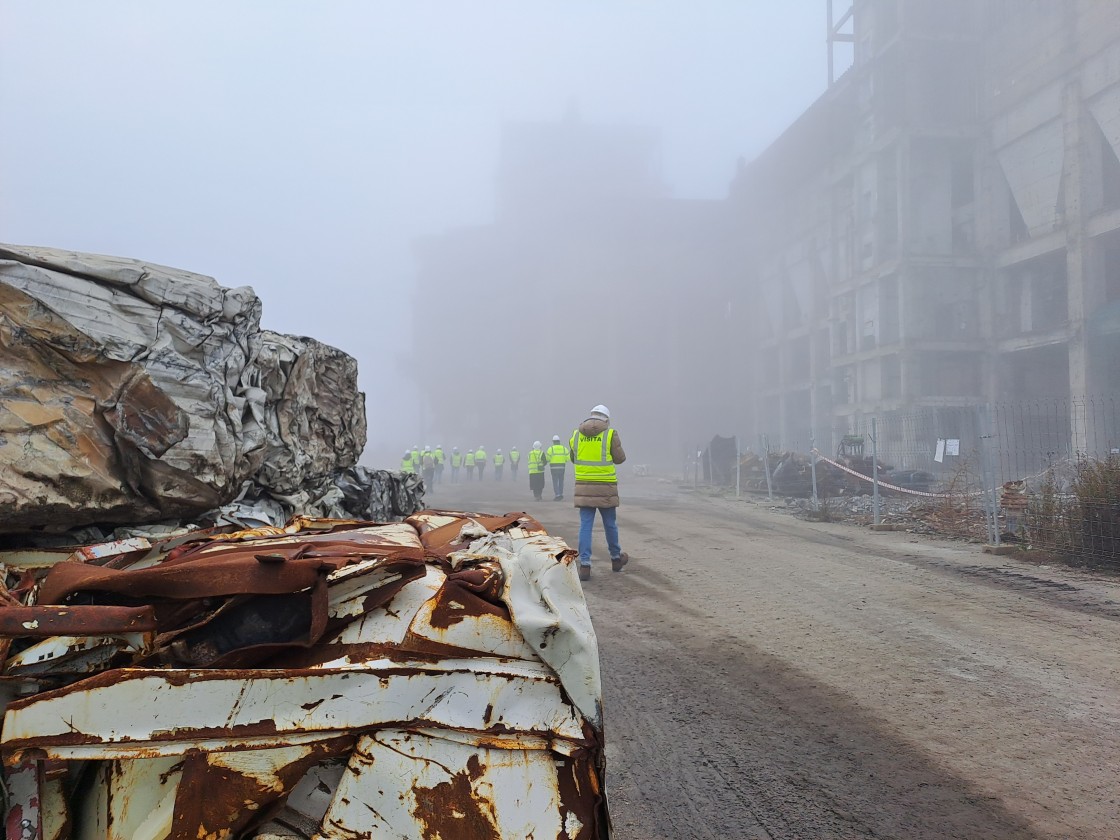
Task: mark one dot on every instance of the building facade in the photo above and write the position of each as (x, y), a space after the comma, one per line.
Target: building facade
(942, 228)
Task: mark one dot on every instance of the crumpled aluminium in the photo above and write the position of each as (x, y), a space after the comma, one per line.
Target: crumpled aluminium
(352, 493)
(132, 393)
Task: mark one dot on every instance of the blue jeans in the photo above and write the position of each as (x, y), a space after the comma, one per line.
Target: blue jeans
(610, 525)
(558, 482)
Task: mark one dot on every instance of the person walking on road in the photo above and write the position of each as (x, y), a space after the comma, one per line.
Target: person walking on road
(456, 464)
(557, 456)
(428, 469)
(514, 460)
(499, 463)
(406, 462)
(595, 450)
(480, 461)
(468, 462)
(438, 452)
(536, 470)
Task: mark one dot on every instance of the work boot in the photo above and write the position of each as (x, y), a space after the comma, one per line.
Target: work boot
(618, 562)
(585, 572)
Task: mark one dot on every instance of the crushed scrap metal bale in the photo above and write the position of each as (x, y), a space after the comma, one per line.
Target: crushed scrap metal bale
(436, 677)
(133, 393)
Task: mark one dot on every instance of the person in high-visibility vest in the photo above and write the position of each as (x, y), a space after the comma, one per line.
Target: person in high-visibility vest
(536, 470)
(416, 457)
(468, 462)
(480, 461)
(514, 460)
(596, 448)
(456, 464)
(499, 463)
(428, 469)
(406, 462)
(557, 456)
(438, 452)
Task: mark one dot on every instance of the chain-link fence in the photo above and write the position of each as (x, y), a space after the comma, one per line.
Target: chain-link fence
(1044, 474)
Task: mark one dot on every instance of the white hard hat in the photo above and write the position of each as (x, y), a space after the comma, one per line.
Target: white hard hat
(455, 448)
(499, 452)
(536, 444)
(427, 448)
(602, 409)
(408, 452)
(556, 437)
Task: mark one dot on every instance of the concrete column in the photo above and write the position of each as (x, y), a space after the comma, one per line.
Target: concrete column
(1079, 292)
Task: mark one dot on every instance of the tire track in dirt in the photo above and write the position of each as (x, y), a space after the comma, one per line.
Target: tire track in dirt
(719, 740)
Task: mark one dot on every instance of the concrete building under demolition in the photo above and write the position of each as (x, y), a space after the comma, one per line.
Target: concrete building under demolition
(941, 229)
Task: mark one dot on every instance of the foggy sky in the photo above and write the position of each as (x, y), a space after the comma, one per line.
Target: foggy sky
(301, 147)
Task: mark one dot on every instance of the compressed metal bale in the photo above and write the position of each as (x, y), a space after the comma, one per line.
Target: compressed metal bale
(133, 393)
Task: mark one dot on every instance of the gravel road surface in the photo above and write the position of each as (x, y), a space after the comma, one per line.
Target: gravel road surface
(767, 677)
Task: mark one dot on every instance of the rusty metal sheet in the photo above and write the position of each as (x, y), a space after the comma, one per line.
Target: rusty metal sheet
(287, 563)
(458, 788)
(44, 621)
(74, 655)
(147, 708)
(472, 679)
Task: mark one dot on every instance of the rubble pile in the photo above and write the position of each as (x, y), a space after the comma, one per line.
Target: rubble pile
(917, 515)
(432, 677)
(132, 393)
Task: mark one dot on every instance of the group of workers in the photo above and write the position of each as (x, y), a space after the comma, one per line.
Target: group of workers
(429, 463)
(594, 449)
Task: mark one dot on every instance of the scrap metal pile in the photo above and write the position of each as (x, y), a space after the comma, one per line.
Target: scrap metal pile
(433, 678)
(132, 393)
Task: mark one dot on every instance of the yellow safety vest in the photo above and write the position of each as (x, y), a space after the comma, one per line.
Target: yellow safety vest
(499, 459)
(469, 459)
(456, 459)
(557, 454)
(593, 457)
(536, 461)
(439, 455)
(406, 465)
(480, 457)
(514, 456)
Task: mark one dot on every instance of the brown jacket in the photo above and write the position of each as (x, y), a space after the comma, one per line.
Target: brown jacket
(598, 494)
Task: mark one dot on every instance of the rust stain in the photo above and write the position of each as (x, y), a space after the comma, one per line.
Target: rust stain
(454, 810)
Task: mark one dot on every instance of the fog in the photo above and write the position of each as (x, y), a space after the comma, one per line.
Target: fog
(511, 212)
(303, 148)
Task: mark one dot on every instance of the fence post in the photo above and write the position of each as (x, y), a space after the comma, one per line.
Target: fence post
(738, 468)
(875, 469)
(991, 512)
(813, 463)
(766, 465)
(993, 474)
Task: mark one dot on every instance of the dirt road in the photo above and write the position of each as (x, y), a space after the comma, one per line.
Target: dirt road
(767, 677)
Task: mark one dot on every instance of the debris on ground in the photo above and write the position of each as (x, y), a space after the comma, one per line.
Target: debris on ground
(943, 518)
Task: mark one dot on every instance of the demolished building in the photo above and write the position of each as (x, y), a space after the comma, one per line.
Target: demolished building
(941, 229)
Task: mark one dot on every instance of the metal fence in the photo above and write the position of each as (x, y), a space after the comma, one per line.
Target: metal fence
(1045, 475)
